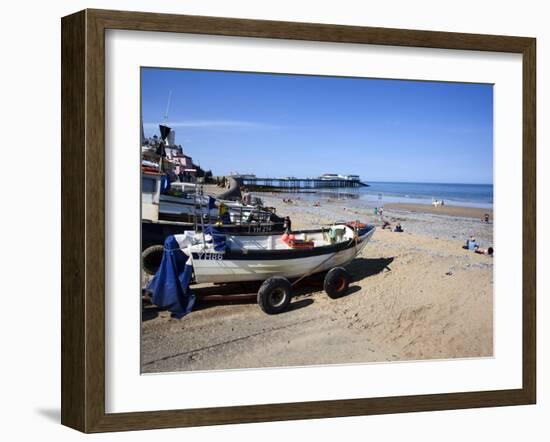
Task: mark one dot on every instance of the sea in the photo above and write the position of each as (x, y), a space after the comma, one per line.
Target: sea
(378, 193)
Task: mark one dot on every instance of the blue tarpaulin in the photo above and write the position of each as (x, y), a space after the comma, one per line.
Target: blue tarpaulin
(218, 239)
(170, 285)
(164, 183)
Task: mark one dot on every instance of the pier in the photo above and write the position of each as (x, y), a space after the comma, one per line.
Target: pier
(295, 184)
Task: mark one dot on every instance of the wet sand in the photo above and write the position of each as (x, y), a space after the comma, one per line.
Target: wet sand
(415, 295)
(467, 212)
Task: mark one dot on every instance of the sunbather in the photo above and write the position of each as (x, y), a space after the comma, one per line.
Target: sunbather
(489, 251)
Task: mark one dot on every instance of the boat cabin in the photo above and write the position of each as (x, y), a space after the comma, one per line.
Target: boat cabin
(150, 196)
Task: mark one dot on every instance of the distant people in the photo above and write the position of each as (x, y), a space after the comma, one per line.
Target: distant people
(287, 225)
(471, 243)
(386, 225)
(486, 218)
(398, 228)
(489, 251)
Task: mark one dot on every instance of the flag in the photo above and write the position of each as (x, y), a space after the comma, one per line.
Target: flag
(164, 131)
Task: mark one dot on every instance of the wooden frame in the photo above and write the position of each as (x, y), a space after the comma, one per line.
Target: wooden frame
(83, 217)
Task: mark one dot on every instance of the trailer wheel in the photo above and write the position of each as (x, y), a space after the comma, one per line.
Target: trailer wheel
(151, 258)
(336, 282)
(274, 295)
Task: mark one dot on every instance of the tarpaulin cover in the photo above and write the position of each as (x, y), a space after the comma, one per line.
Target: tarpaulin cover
(218, 239)
(170, 285)
(164, 184)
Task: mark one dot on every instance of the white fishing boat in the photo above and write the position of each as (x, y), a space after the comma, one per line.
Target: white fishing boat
(186, 202)
(189, 205)
(253, 258)
(274, 258)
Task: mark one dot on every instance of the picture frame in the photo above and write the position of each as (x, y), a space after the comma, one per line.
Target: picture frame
(83, 220)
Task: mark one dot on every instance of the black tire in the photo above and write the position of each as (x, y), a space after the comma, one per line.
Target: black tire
(274, 295)
(336, 282)
(151, 258)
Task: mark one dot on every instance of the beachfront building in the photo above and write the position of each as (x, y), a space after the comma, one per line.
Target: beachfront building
(242, 175)
(339, 177)
(183, 164)
(171, 139)
(169, 156)
(175, 162)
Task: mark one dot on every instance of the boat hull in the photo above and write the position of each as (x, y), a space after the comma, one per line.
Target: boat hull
(218, 268)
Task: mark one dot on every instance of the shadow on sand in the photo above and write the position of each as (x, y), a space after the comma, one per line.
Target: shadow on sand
(149, 311)
(245, 293)
(359, 269)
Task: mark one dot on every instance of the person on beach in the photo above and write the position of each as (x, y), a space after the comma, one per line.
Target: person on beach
(489, 251)
(398, 228)
(486, 218)
(287, 225)
(223, 214)
(471, 243)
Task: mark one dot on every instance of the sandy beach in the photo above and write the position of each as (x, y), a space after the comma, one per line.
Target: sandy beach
(466, 212)
(415, 295)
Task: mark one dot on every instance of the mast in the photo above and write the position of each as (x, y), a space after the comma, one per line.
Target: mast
(167, 107)
(164, 129)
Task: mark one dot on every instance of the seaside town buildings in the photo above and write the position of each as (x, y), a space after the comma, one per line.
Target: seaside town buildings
(169, 156)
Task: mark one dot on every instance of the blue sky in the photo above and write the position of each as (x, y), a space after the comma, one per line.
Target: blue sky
(288, 125)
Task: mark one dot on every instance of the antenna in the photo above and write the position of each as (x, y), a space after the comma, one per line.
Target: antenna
(167, 107)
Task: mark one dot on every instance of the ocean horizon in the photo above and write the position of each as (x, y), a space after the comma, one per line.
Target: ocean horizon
(380, 192)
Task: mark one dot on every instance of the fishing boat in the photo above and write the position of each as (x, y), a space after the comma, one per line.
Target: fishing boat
(191, 211)
(184, 202)
(186, 207)
(275, 259)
